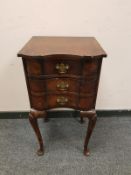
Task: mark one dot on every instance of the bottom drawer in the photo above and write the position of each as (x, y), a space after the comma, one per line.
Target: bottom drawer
(44, 102)
(62, 101)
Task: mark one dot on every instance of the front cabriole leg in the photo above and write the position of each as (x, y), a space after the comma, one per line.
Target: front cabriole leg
(33, 117)
(91, 115)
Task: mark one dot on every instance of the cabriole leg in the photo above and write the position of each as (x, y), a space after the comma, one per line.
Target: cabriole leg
(91, 115)
(33, 117)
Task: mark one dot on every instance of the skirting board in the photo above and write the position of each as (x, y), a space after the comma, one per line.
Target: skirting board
(65, 114)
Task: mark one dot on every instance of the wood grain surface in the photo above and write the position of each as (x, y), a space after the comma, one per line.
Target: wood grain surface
(83, 46)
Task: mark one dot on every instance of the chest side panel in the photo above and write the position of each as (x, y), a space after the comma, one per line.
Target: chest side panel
(89, 83)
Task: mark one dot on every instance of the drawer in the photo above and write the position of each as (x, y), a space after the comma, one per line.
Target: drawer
(62, 101)
(62, 84)
(42, 102)
(86, 103)
(54, 85)
(38, 102)
(62, 67)
(54, 66)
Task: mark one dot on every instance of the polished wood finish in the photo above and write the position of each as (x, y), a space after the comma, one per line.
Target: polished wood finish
(62, 72)
(40, 46)
(91, 115)
(33, 115)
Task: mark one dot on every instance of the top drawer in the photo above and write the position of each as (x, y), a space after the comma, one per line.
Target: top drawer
(53, 67)
(62, 65)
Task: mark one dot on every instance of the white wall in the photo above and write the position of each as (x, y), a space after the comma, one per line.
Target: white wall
(108, 20)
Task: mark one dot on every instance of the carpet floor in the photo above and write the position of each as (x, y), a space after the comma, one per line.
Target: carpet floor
(110, 147)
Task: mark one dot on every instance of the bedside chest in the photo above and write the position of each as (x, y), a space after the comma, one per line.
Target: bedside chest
(62, 72)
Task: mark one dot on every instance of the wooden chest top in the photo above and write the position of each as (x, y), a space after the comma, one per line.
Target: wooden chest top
(39, 46)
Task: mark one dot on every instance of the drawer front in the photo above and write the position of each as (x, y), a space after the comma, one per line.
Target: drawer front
(86, 103)
(54, 85)
(53, 67)
(62, 67)
(62, 84)
(38, 102)
(54, 101)
(62, 101)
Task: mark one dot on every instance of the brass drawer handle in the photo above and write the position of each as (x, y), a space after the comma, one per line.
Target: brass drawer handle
(63, 85)
(62, 100)
(62, 68)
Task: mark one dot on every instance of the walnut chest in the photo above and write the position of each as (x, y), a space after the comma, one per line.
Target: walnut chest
(62, 72)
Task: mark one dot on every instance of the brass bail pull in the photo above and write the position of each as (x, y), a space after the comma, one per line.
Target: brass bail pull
(62, 68)
(62, 85)
(62, 100)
